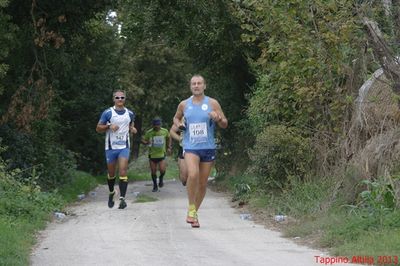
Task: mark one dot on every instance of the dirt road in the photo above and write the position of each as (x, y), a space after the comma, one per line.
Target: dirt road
(155, 233)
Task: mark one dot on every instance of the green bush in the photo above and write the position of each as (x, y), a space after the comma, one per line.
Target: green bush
(242, 192)
(80, 183)
(301, 199)
(50, 161)
(25, 200)
(19, 150)
(280, 154)
(379, 196)
(57, 167)
(376, 202)
(24, 209)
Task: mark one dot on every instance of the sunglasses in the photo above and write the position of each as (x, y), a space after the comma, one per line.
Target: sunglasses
(119, 98)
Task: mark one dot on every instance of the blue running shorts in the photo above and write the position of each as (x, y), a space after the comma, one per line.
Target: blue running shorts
(113, 155)
(205, 155)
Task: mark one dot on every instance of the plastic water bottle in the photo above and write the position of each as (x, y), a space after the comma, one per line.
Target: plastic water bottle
(59, 215)
(280, 218)
(81, 196)
(245, 216)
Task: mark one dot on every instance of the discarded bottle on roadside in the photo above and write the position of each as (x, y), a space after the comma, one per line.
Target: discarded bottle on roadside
(81, 196)
(280, 218)
(59, 215)
(245, 216)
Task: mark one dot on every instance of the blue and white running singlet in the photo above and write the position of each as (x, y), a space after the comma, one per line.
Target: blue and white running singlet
(120, 138)
(199, 134)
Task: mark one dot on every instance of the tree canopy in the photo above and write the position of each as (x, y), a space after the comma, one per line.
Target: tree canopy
(290, 65)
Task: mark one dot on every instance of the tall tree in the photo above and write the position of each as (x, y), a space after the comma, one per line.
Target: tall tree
(207, 34)
(51, 81)
(7, 40)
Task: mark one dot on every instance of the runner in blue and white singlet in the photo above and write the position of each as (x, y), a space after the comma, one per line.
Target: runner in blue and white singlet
(199, 133)
(202, 114)
(119, 139)
(117, 122)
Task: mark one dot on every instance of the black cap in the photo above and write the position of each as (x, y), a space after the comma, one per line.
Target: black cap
(156, 122)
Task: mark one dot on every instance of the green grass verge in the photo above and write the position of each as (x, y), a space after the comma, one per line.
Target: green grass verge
(17, 238)
(321, 220)
(25, 209)
(383, 242)
(81, 183)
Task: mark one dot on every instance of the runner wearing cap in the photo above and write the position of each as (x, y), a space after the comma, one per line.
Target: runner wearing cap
(159, 141)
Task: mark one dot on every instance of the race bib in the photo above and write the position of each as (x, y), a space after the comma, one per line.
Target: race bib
(119, 139)
(158, 141)
(198, 132)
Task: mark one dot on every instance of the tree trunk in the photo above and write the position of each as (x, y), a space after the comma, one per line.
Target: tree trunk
(385, 55)
(136, 138)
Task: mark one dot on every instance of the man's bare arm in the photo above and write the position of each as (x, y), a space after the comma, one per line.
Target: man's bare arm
(218, 115)
(179, 114)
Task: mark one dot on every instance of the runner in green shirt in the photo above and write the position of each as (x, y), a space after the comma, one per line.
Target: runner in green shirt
(159, 141)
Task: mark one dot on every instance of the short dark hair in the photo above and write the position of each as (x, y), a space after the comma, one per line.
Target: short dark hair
(115, 92)
(198, 76)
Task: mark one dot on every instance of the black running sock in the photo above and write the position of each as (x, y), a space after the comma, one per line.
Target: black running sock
(162, 176)
(111, 183)
(123, 185)
(154, 178)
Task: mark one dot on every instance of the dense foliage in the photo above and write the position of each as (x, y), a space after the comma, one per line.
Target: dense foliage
(61, 69)
(203, 37)
(64, 63)
(285, 72)
(280, 155)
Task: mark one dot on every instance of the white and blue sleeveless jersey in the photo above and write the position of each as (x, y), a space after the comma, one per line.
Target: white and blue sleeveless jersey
(123, 118)
(200, 128)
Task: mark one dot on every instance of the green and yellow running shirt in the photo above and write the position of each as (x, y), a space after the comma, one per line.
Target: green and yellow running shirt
(158, 142)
